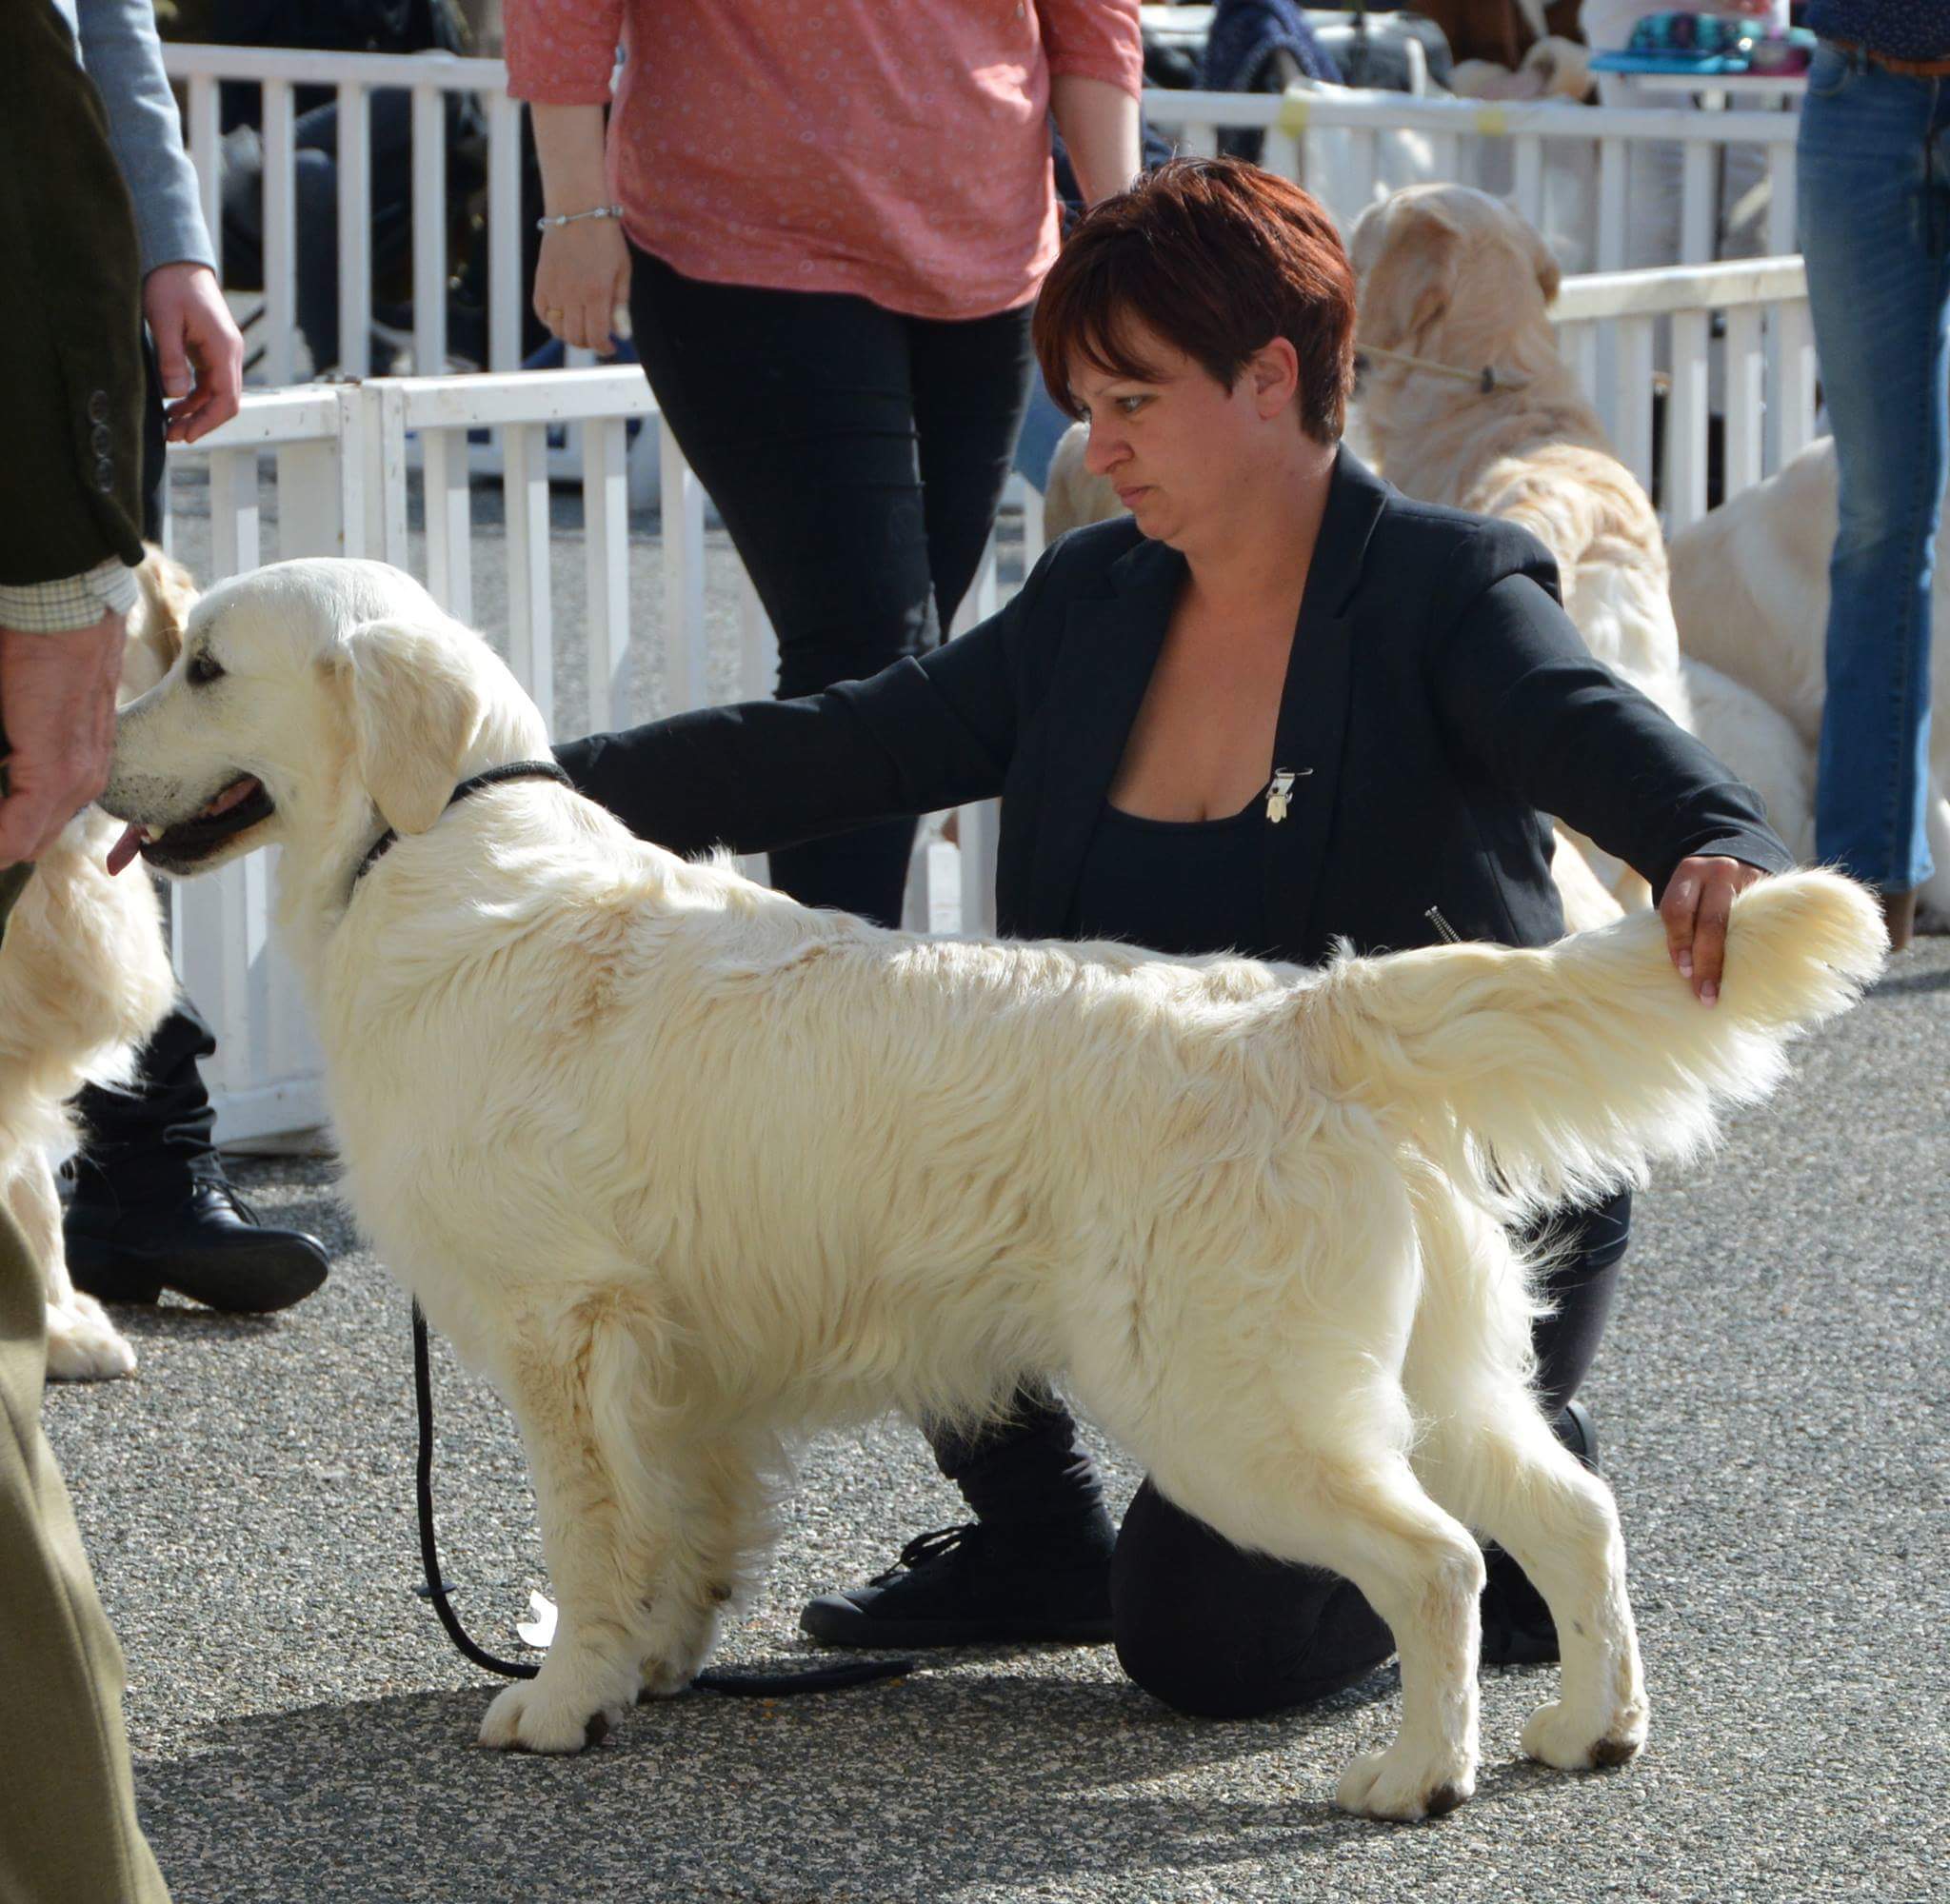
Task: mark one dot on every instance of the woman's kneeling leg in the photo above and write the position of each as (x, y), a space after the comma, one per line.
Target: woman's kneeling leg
(1223, 1633)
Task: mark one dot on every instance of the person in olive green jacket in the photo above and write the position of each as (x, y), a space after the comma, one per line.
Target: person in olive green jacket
(72, 374)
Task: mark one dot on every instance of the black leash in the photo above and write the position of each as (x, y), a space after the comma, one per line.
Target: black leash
(743, 1685)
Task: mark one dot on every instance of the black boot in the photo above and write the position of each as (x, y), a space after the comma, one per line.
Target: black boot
(1517, 1626)
(152, 1208)
(1035, 1565)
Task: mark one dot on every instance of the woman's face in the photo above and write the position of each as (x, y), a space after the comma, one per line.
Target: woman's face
(1177, 445)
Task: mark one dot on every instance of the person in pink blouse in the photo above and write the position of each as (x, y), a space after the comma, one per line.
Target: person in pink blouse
(828, 226)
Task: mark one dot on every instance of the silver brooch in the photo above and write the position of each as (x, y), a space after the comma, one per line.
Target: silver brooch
(1277, 795)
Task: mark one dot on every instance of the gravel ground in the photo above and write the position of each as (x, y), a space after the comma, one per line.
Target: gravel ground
(1771, 1400)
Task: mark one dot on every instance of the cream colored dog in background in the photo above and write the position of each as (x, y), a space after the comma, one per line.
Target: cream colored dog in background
(85, 979)
(1750, 593)
(686, 1168)
(1452, 277)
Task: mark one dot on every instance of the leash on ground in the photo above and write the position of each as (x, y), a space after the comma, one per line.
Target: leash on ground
(741, 1685)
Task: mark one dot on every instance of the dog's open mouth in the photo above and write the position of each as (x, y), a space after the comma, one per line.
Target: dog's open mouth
(178, 848)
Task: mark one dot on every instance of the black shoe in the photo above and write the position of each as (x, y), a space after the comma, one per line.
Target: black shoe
(977, 1585)
(211, 1245)
(1517, 1626)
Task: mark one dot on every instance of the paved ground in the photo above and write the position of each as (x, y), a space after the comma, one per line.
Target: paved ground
(1772, 1400)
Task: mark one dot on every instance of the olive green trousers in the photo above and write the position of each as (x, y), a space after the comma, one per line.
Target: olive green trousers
(68, 1829)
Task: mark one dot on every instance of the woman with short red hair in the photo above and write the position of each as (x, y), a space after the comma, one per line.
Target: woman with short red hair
(1278, 706)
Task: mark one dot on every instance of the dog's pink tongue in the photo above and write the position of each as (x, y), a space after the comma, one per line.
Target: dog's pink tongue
(125, 848)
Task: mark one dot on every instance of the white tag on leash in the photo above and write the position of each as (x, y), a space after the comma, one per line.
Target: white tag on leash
(538, 1630)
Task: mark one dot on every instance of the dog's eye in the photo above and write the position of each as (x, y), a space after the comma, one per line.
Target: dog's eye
(204, 667)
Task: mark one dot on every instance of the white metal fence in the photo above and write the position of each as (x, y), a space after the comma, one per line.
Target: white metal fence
(1565, 166)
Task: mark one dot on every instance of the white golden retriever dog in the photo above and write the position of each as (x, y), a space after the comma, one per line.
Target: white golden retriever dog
(1750, 592)
(686, 1168)
(84, 980)
(1452, 278)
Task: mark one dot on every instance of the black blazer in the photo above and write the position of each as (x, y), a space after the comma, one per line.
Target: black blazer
(1437, 704)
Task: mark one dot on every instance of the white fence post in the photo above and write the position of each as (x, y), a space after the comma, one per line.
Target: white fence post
(280, 214)
(429, 230)
(605, 552)
(355, 230)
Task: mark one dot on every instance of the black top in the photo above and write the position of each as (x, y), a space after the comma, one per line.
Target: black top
(1178, 886)
(1436, 705)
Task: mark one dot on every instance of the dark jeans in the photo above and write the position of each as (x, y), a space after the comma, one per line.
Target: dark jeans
(857, 458)
(1200, 1625)
(1874, 209)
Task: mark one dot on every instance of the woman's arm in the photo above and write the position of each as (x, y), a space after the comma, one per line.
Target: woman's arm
(560, 59)
(581, 276)
(199, 349)
(122, 55)
(1095, 54)
(1099, 124)
(919, 736)
(1526, 703)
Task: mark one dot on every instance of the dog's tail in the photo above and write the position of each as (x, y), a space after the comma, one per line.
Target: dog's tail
(1540, 1077)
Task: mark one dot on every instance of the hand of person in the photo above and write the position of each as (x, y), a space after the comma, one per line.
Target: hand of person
(199, 348)
(57, 697)
(1697, 898)
(582, 283)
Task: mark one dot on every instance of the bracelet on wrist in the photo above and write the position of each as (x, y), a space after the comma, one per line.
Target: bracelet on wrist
(562, 218)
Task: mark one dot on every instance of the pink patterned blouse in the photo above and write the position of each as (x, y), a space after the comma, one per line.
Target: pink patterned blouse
(894, 150)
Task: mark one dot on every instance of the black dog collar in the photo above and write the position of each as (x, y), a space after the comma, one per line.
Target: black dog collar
(511, 770)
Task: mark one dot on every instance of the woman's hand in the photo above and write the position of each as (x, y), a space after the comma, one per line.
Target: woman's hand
(199, 349)
(59, 692)
(582, 284)
(1697, 900)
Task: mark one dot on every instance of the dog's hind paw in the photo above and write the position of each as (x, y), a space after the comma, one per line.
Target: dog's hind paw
(83, 1345)
(1405, 1784)
(529, 1716)
(1574, 1741)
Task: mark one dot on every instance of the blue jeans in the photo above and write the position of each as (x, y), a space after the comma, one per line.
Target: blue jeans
(1874, 196)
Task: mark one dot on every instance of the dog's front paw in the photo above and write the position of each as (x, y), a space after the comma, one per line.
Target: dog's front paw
(83, 1345)
(532, 1717)
(679, 1648)
(1405, 1784)
(1574, 1741)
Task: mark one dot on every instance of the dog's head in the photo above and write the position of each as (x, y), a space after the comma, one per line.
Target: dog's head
(1448, 272)
(310, 703)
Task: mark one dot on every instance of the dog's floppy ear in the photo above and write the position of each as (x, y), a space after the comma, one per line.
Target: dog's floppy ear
(165, 596)
(415, 709)
(1413, 279)
(1543, 261)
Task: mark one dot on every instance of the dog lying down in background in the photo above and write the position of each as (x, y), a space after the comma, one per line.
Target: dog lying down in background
(686, 1168)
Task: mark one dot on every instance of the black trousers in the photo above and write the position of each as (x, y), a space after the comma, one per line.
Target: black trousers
(1206, 1626)
(857, 457)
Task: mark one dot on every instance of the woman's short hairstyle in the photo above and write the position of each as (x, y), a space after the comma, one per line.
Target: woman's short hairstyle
(1218, 258)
